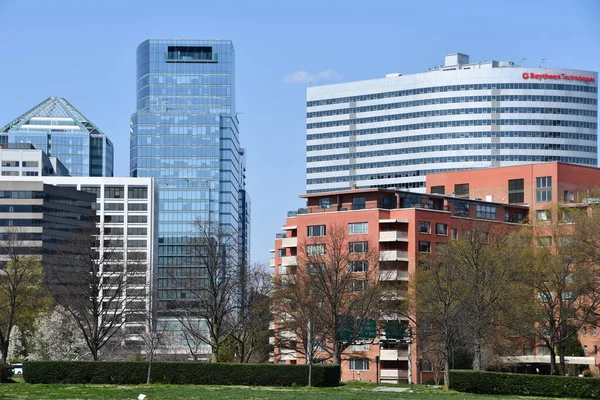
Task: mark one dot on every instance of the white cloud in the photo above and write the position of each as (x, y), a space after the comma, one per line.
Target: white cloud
(305, 77)
(330, 74)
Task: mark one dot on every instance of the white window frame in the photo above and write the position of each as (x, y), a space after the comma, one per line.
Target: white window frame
(358, 228)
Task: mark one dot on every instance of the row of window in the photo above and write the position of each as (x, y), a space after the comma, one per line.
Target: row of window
(446, 100)
(436, 160)
(454, 124)
(453, 111)
(452, 135)
(440, 228)
(454, 88)
(353, 248)
(456, 147)
(118, 192)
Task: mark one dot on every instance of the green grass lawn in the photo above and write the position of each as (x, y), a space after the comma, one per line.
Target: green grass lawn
(18, 391)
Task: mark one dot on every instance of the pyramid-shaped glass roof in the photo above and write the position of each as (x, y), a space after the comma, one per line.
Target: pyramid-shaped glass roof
(54, 112)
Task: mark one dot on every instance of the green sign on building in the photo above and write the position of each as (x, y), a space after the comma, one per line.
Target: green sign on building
(349, 327)
(394, 330)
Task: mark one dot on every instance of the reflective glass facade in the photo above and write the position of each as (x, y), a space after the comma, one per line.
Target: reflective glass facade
(60, 130)
(185, 134)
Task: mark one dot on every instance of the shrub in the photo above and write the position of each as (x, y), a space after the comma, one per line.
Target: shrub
(178, 373)
(520, 384)
(6, 373)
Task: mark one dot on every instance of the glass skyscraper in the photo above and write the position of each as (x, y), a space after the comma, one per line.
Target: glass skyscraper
(61, 131)
(185, 134)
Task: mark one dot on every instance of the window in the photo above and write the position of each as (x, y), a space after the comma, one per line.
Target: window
(137, 207)
(516, 191)
(138, 192)
(543, 189)
(358, 286)
(358, 247)
(424, 227)
(281, 252)
(441, 229)
(462, 209)
(544, 241)
(30, 164)
(439, 246)
(359, 364)
(358, 203)
(453, 233)
(388, 202)
(594, 331)
(114, 206)
(438, 189)
(30, 173)
(10, 173)
(569, 197)
(358, 266)
(91, 189)
(325, 202)
(424, 246)
(485, 211)
(544, 215)
(315, 249)
(10, 163)
(315, 230)
(114, 192)
(111, 219)
(137, 219)
(358, 228)
(461, 190)
(136, 243)
(137, 231)
(189, 54)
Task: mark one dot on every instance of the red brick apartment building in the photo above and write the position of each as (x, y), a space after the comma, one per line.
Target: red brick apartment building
(406, 224)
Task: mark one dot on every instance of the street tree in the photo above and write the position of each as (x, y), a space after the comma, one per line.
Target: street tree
(251, 338)
(93, 279)
(333, 294)
(56, 337)
(566, 280)
(22, 286)
(209, 303)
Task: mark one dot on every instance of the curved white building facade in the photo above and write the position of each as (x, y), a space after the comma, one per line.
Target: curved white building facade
(393, 131)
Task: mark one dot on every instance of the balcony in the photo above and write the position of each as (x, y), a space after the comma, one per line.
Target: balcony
(288, 354)
(394, 295)
(393, 236)
(393, 275)
(271, 262)
(393, 255)
(271, 325)
(389, 374)
(271, 340)
(289, 242)
(393, 355)
(288, 261)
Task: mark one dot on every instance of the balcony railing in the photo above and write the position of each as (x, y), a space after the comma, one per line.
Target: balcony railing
(393, 236)
(393, 275)
(289, 242)
(393, 255)
(393, 355)
(279, 235)
(288, 261)
(295, 213)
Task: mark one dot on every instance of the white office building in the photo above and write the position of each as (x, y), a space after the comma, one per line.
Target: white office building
(22, 159)
(127, 218)
(391, 132)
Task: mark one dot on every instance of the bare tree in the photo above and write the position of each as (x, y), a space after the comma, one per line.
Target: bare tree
(22, 287)
(566, 280)
(333, 294)
(252, 334)
(90, 280)
(209, 304)
(437, 296)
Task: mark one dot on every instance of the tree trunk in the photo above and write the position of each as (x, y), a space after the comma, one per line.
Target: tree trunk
(477, 356)
(561, 359)
(446, 372)
(4, 351)
(150, 367)
(553, 369)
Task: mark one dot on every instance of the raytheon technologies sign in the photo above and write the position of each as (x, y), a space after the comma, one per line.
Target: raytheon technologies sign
(532, 75)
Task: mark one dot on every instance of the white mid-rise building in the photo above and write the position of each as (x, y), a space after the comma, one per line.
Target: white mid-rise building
(391, 132)
(127, 218)
(22, 159)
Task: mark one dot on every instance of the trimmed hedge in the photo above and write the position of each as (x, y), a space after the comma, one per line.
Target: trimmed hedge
(522, 384)
(189, 373)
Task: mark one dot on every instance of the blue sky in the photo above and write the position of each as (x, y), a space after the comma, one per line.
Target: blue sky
(85, 51)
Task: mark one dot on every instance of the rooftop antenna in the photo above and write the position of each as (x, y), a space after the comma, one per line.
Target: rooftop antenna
(523, 61)
(542, 62)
